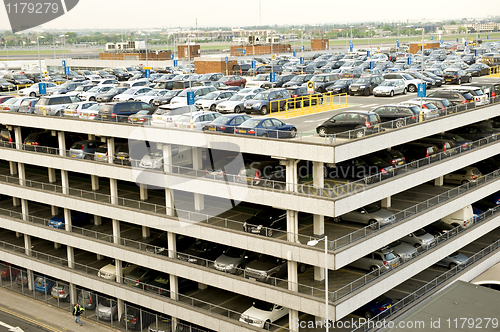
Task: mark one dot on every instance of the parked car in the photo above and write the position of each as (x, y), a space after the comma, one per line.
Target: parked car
(402, 115)
(234, 260)
(340, 86)
(7, 271)
(226, 123)
(107, 309)
(41, 141)
(87, 299)
(28, 106)
(453, 260)
(196, 121)
(78, 219)
(90, 113)
(131, 94)
(92, 93)
(463, 176)
(261, 314)
(419, 153)
(108, 272)
(392, 156)
(135, 319)
(119, 112)
(159, 244)
(235, 104)
(6, 86)
(376, 306)
(458, 76)
(403, 250)
(151, 95)
(371, 214)
(160, 285)
(17, 79)
(266, 268)
(362, 122)
(139, 276)
(457, 98)
(301, 98)
(64, 88)
(419, 238)
(73, 110)
(390, 88)
(438, 228)
(34, 90)
(201, 251)
(213, 99)
(323, 81)
(265, 101)
(54, 105)
(61, 291)
(108, 96)
(455, 138)
(166, 115)
(297, 80)
(265, 221)
(365, 85)
(43, 284)
(383, 259)
(411, 83)
(266, 127)
(475, 132)
(199, 91)
(84, 149)
(13, 104)
(166, 98)
(279, 81)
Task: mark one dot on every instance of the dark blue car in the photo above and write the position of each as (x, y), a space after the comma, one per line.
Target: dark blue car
(226, 123)
(77, 219)
(266, 127)
(43, 284)
(376, 306)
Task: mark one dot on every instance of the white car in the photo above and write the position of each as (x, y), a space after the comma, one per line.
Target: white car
(411, 83)
(258, 81)
(108, 272)
(33, 91)
(250, 91)
(166, 115)
(80, 89)
(91, 94)
(89, 113)
(131, 94)
(13, 104)
(210, 101)
(235, 104)
(261, 314)
(390, 88)
(73, 110)
(200, 119)
(152, 95)
(105, 81)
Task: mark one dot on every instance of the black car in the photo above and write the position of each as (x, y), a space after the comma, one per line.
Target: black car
(429, 82)
(469, 59)
(17, 79)
(159, 244)
(119, 112)
(439, 80)
(35, 77)
(365, 85)
(340, 86)
(279, 81)
(265, 221)
(438, 228)
(392, 156)
(363, 122)
(166, 98)
(458, 76)
(201, 251)
(352, 73)
(298, 80)
(488, 165)
(323, 81)
(418, 151)
(120, 75)
(475, 132)
(108, 96)
(406, 113)
(363, 167)
(303, 98)
(135, 319)
(42, 141)
(478, 69)
(455, 97)
(457, 139)
(6, 86)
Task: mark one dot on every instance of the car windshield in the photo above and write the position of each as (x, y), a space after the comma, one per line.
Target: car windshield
(40, 280)
(342, 82)
(11, 101)
(95, 107)
(318, 78)
(26, 102)
(389, 256)
(81, 88)
(262, 77)
(105, 302)
(236, 97)
(102, 149)
(420, 232)
(172, 93)
(222, 120)
(65, 85)
(264, 95)
(388, 83)
(142, 112)
(235, 252)
(264, 306)
(211, 96)
(455, 254)
(129, 92)
(250, 123)
(162, 279)
(363, 80)
(371, 208)
(153, 93)
(94, 89)
(156, 153)
(19, 77)
(297, 79)
(72, 106)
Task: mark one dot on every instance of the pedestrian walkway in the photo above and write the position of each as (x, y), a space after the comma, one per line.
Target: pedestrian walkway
(47, 316)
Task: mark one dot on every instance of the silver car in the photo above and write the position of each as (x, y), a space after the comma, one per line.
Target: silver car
(370, 214)
(390, 88)
(453, 260)
(234, 104)
(403, 250)
(61, 291)
(153, 160)
(107, 309)
(13, 104)
(84, 149)
(383, 259)
(419, 238)
(234, 260)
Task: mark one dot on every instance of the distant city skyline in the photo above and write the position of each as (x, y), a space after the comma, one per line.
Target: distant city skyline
(126, 14)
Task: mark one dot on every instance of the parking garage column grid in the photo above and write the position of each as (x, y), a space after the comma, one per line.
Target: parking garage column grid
(439, 182)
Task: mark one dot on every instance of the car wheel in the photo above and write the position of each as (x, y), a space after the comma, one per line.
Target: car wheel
(464, 182)
(391, 94)
(452, 266)
(367, 92)
(400, 123)
(368, 180)
(242, 85)
(264, 135)
(322, 131)
(302, 268)
(212, 108)
(267, 325)
(351, 94)
(412, 88)
(459, 81)
(293, 132)
(130, 99)
(248, 112)
(92, 99)
(368, 315)
(404, 91)
(337, 220)
(33, 94)
(88, 157)
(373, 268)
(372, 223)
(270, 232)
(470, 79)
(413, 163)
(237, 109)
(263, 110)
(360, 133)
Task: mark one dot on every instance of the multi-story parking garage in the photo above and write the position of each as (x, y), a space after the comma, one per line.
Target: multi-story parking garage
(132, 205)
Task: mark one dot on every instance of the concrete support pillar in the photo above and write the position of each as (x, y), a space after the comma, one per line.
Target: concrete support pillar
(116, 231)
(72, 293)
(54, 210)
(146, 232)
(439, 182)
(119, 271)
(16, 201)
(27, 250)
(61, 139)
(99, 257)
(172, 252)
(52, 175)
(318, 183)
(13, 168)
(199, 200)
(292, 225)
(202, 286)
(174, 287)
(91, 136)
(97, 220)
(65, 182)
(18, 136)
(387, 202)
(291, 175)
(25, 209)
(319, 273)
(94, 179)
(293, 318)
(71, 257)
(293, 279)
(143, 191)
(111, 149)
(121, 307)
(113, 188)
(167, 167)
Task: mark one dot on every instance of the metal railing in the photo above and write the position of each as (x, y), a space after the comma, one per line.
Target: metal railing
(373, 275)
(165, 293)
(428, 287)
(311, 104)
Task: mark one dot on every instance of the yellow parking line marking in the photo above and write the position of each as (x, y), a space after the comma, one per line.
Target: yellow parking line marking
(28, 319)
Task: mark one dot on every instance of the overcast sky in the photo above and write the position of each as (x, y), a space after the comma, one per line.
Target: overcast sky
(128, 14)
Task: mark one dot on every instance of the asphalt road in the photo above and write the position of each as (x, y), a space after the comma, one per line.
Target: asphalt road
(22, 323)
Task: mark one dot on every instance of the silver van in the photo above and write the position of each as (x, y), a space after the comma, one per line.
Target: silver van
(54, 105)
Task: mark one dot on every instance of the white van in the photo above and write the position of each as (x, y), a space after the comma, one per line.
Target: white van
(463, 217)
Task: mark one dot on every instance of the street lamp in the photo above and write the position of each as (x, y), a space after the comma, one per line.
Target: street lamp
(421, 65)
(39, 58)
(312, 243)
(64, 45)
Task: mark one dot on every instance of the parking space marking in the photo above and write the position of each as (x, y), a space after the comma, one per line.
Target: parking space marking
(399, 290)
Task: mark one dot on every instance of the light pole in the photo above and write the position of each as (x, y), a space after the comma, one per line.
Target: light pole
(39, 58)
(189, 72)
(421, 65)
(312, 243)
(64, 45)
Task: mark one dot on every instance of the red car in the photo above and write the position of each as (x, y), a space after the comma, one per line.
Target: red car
(7, 271)
(234, 80)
